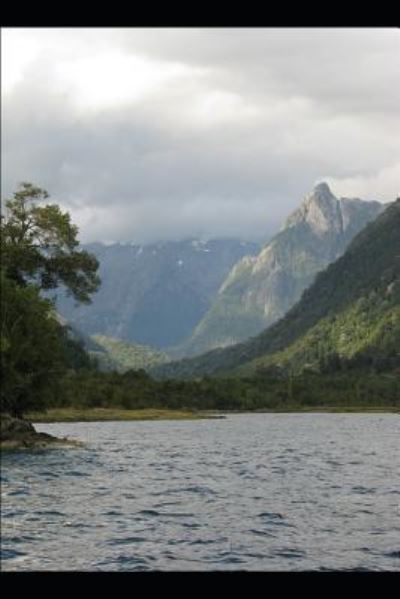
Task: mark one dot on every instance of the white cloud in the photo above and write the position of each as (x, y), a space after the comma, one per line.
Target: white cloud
(383, 183)
(158, 133)
(17, 53)
(112, 79)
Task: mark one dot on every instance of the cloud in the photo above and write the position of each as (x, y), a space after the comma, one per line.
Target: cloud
(372, 186)
(148, 135)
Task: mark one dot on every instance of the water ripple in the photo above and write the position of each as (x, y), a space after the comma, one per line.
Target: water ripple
(249, 492)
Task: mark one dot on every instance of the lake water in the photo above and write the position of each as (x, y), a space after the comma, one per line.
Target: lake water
(248, 492)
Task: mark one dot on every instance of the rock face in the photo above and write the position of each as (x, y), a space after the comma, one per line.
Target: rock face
(10, 427)
(16, 433)
(261, 289)
(155, 294)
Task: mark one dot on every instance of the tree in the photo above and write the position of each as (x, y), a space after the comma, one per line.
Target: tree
(39, 245)
(32, 354)
(39, 251)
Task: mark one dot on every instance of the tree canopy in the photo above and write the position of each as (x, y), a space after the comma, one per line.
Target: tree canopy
(39, 245)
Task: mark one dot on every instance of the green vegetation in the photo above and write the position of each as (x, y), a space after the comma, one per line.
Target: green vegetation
(32, 353)
(38, 246)
(38, 252)
(122, 356)
(136, 390)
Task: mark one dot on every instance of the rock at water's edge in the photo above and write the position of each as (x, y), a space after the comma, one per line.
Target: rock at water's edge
(16, 433)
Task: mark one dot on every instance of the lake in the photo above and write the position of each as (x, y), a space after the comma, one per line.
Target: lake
(248, 492)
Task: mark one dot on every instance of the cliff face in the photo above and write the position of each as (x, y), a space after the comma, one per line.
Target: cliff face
(261, 289)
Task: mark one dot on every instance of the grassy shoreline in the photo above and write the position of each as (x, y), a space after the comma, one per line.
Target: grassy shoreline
(115, 414)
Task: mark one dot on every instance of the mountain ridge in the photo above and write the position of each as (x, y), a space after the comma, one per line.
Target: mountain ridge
(260, 289)
(354, 301)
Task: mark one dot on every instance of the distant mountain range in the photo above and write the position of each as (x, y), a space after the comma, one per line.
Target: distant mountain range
(349, 315)
(261, 289)
(188, 297)
(154, 295)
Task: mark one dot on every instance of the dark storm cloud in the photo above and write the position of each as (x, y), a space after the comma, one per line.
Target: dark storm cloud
(227, 147)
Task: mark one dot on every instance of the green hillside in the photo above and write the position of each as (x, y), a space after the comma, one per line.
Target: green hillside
(122, 356)
(350, 313)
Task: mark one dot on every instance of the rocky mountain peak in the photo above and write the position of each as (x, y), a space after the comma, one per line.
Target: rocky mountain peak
(322, 190)
(320, 210)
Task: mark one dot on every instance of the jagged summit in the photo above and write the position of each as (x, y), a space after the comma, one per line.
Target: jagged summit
(320, 210)
(321, 194)
(322, 188)
(325, 214)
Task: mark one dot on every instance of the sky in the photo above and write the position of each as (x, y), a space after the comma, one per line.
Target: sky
(148, 135)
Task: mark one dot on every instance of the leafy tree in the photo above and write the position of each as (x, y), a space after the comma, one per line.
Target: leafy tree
(32, 354)
(39, 245)
(39, 251)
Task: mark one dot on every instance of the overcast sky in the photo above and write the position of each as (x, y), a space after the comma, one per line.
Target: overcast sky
(153, 134)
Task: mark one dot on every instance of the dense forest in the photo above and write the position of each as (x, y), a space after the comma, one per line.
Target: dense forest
(43, 365)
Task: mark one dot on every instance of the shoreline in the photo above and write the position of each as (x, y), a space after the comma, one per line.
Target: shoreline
(325, 410)
(20, 434)
(17, 434)
(113, 414)
(38, 441)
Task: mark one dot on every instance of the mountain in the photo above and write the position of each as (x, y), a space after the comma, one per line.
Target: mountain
(154, 294)
(351, 313)
(261, 289)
